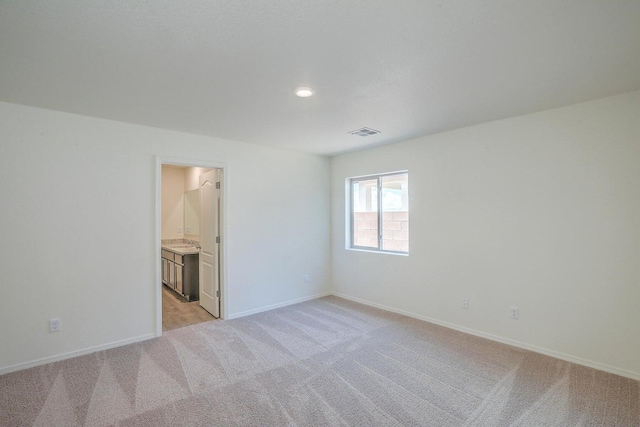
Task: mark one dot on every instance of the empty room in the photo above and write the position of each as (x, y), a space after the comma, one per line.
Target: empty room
(319, 213)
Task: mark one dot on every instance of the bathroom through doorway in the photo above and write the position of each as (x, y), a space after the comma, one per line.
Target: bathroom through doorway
(189, 238)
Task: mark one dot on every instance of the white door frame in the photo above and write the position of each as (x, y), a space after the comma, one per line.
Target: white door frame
(166, 160)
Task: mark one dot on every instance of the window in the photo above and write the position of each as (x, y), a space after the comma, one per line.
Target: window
(380, 212)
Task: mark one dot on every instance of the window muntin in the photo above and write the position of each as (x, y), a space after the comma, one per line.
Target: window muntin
(380, 212)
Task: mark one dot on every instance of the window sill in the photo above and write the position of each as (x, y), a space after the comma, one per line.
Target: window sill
(377, 252)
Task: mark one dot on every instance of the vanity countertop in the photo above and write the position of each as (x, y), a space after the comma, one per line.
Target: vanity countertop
(181, 248)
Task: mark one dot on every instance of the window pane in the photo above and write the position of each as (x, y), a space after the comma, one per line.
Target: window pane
(365, 213)
(395, 212)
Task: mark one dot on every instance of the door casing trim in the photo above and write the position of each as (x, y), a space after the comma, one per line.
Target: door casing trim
(179, 161)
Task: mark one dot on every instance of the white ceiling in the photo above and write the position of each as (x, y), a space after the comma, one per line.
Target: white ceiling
(229, 68)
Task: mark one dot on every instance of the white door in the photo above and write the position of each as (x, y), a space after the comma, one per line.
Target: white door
(209, 230)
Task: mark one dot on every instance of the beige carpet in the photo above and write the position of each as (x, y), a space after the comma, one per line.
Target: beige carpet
(327, 362)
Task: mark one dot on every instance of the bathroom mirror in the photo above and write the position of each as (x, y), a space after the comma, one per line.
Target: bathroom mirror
(192, 213)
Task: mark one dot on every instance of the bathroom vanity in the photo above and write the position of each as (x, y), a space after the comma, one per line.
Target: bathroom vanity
(180, 270)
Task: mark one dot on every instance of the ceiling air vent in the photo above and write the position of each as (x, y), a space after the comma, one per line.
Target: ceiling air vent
(364, 132)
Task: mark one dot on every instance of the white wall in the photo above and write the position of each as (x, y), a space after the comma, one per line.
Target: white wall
(173, 183)
(540, 211)
(77, 220)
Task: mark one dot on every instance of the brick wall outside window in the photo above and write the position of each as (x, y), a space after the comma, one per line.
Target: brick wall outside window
(395, 230)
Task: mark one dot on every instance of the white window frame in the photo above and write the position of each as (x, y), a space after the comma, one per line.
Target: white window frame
(351, 213)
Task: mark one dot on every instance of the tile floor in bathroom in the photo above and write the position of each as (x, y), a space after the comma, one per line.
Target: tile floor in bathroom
(178, 313)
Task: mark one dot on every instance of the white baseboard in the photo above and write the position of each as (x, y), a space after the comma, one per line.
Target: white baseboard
(76, 353)
(82, 352)
(278, 305)
(537, 349)
(525, 346)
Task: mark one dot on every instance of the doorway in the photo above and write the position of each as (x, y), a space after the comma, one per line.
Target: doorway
(190, 285)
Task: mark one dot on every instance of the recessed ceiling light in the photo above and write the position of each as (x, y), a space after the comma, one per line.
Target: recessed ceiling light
(304, 92)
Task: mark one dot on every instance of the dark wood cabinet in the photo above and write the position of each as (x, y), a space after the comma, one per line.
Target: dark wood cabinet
(180, 274)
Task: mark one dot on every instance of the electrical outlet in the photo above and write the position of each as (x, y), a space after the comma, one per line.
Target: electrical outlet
(515, 312)
(465, 303)
(306, 278)
(188, 229)
(54, 325)
(179, 229)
